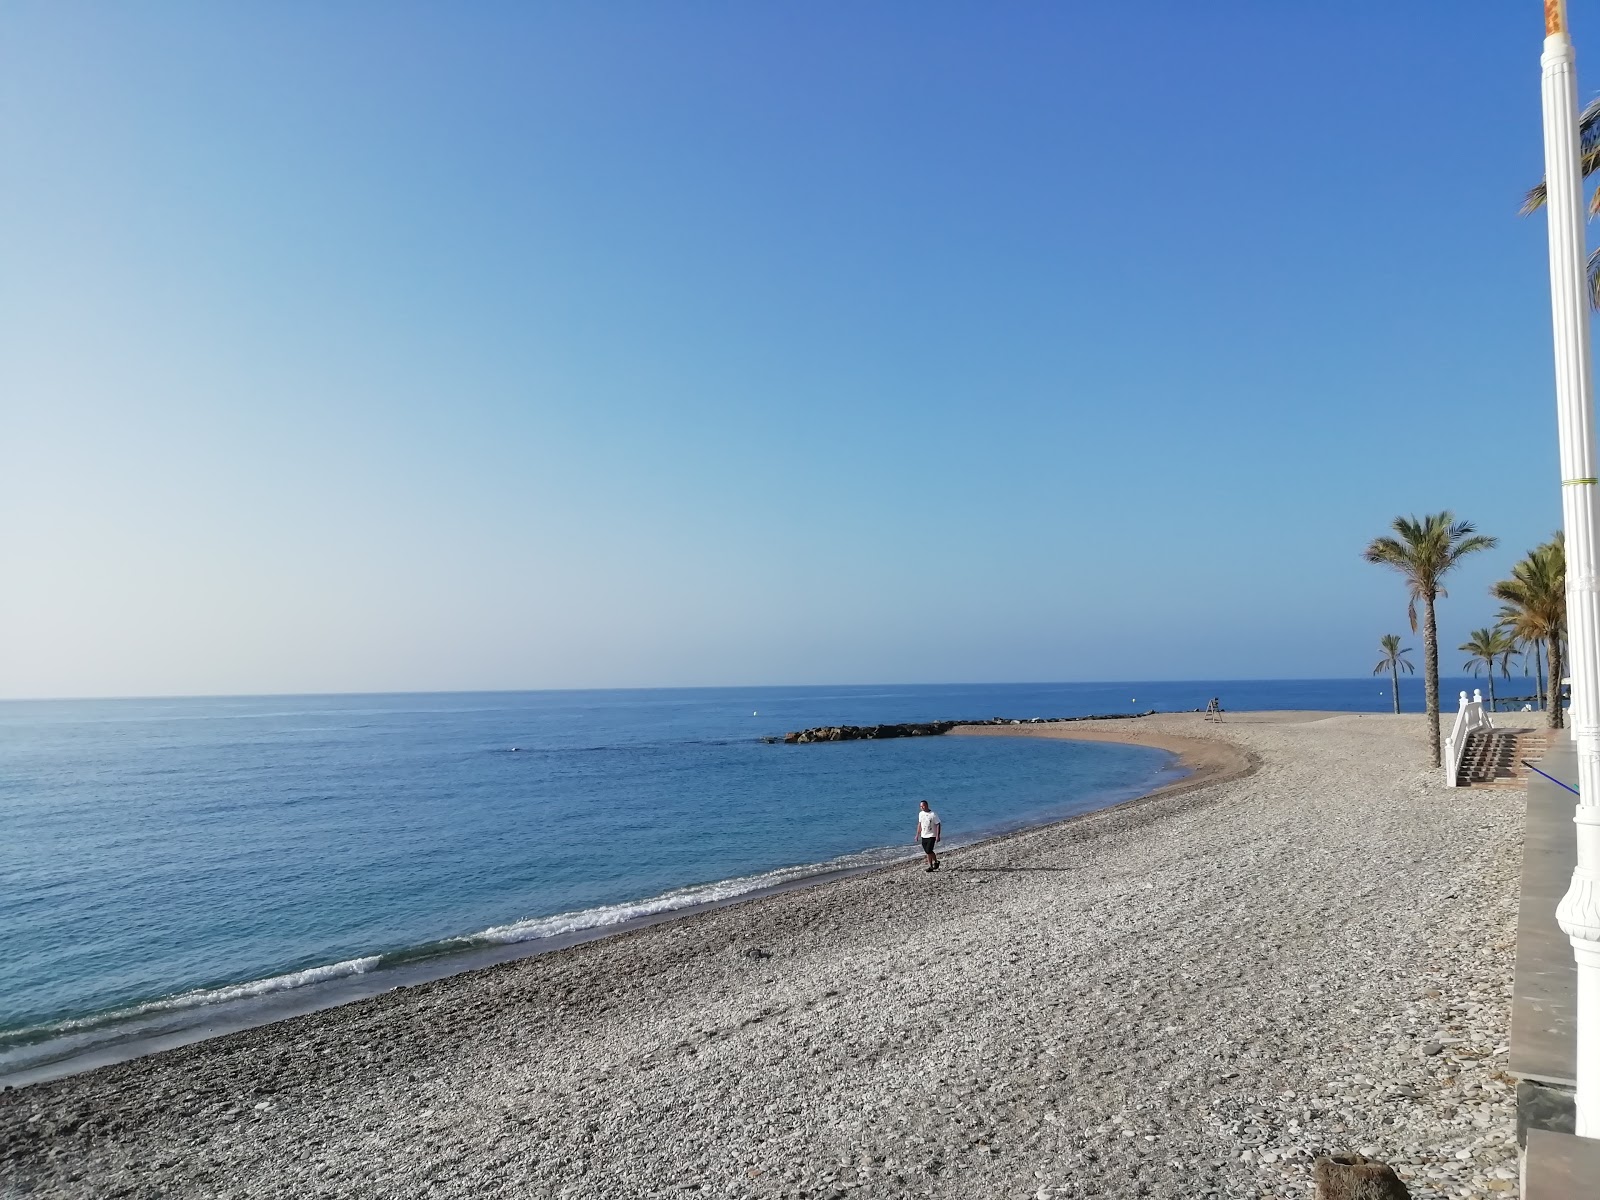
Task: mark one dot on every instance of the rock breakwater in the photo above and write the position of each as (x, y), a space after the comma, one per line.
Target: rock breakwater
(865, 733)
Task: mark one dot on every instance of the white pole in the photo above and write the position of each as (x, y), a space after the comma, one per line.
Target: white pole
(1579, 911)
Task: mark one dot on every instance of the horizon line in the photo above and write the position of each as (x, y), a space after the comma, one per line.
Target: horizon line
(708, 687)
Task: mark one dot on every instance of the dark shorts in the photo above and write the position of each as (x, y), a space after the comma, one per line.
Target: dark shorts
(927, 845)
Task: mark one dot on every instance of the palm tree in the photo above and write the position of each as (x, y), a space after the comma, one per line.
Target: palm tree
(1394, 661)
(1424, 553)
(1536, 598)
(1529, 648)
(1589, 143)
(1487, 649)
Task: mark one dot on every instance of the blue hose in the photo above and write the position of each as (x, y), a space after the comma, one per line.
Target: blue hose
(1551, 778)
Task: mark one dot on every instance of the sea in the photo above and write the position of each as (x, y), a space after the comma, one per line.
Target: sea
(174, 868)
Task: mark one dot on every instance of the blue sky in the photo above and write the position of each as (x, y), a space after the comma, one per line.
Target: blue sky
(372, 347)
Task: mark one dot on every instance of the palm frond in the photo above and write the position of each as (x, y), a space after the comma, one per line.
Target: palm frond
(1472, 545)
(1589, 154)
(1589, 126)
(1539, 195)
(1386, 551)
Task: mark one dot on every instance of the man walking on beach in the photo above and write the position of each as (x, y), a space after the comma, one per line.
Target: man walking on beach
(928, 832)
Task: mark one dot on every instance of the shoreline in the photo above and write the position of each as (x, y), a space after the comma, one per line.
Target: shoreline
(1186, 994)
(1180, 996)
(1208, 760)
(138, 1037)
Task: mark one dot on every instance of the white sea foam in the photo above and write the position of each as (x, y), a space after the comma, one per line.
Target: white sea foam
(261, 987)
(516, 932)
(686, 897)
(200, 997)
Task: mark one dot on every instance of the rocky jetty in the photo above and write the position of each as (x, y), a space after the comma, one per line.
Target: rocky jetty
(865, 733)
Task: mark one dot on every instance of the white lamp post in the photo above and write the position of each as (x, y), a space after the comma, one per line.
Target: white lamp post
(1579, 911)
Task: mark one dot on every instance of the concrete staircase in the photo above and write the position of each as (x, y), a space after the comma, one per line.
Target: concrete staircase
(1494, 757)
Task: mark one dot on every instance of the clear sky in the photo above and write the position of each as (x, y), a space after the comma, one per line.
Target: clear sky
(424, 346)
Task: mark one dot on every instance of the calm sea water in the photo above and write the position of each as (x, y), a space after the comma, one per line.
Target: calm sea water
(164, 858)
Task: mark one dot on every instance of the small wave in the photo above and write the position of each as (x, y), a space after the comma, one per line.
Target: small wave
(516, 932)
(587, 919)
(197, 998)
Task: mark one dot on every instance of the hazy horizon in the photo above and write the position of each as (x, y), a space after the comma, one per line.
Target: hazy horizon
(1408, 683)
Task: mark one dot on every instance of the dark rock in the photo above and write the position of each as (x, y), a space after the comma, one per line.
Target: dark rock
(861, 733)
(1542, 1106)
(1354, 1177)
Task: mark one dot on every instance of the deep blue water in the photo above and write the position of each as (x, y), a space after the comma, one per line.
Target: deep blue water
(164, 856)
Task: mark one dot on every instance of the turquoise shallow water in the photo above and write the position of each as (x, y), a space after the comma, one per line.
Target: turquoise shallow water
(166, 857)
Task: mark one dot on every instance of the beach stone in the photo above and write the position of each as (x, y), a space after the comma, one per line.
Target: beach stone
(1354, 1177)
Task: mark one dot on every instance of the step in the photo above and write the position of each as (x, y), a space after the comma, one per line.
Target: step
(1493, 758)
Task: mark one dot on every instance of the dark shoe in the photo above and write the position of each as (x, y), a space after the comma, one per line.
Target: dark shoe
(927, 868)
(935, 866)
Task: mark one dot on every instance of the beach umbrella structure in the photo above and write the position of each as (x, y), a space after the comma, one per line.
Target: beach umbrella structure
(1579, 911)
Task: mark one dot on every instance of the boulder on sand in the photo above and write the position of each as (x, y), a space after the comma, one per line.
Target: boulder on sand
(1354, 1177)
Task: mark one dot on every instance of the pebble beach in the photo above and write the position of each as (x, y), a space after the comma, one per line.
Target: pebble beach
(1305, 947)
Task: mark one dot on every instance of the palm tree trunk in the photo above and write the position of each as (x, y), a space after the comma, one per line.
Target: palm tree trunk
(1491, 685)
(1557, 717)
(1538, 666)
(1430, 673)
(1394, 674)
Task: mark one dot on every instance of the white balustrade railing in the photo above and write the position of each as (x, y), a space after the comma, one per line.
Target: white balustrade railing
(1470, 718)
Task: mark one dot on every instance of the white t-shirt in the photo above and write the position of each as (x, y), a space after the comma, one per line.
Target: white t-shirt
(925, 823)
